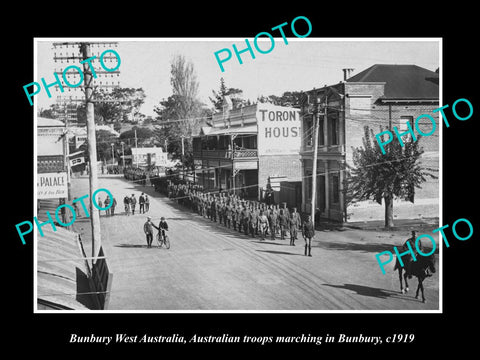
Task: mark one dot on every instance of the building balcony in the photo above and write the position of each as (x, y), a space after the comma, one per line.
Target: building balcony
(323, 150)
(226, 154)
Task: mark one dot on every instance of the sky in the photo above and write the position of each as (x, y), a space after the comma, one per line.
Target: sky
(302, 64)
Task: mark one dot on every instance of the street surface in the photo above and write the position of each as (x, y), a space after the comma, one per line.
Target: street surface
(210, 267)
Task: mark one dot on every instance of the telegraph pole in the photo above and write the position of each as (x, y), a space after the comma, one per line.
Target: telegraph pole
(183, 157)
(86, 53)
(92, 151)
(316, 114)
(136, 149)
(315, 157)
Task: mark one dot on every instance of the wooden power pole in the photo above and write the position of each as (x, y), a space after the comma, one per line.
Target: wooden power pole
(92, 151)
(316, 114)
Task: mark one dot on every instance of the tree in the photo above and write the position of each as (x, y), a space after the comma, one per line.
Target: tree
(217, 100)
(47, 113)
(145, 136)
(180, 115)
(384, 177)
(120, 105)
(288, 98)
(104, 140)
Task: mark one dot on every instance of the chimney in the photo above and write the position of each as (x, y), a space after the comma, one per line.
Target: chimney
(347, 73)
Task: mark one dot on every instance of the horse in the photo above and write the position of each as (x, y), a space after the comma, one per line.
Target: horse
(422, 268)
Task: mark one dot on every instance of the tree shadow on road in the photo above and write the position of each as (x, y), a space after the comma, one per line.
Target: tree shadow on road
(279, 252)
(371, 291)
(269, 242)
(368, 247)
(133, 246)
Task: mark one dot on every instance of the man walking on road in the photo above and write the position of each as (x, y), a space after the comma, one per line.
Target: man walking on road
(126, 203)
(148, 230)
(308, 232)
(133, 203)
(147, 203)
(112, 208)
(141, 202)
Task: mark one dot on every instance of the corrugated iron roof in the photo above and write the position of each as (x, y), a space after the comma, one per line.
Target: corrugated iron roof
(402, 81)
(59, 263)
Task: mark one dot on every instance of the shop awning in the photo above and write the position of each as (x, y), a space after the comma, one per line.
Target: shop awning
(246, 130)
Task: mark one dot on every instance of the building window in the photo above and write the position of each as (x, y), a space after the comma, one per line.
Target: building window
(308, 132)
(308, 185)
(403, 127)
(335, 189)
(334, 131)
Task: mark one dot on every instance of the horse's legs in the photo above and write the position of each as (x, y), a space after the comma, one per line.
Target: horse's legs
(420, 287)
(400, 278)
(406, 282)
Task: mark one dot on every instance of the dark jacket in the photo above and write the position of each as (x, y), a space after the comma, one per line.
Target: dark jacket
(163, 225)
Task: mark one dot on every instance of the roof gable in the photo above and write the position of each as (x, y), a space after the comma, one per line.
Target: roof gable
(402, 81)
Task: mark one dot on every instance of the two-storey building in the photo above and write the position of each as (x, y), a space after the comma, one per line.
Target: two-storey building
(247, 146)
(380, 96)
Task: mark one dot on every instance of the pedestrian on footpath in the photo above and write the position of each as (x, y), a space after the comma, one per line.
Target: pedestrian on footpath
(148, 230)
(133, 203)
(141, 202)
(308, 232)
(147, 203)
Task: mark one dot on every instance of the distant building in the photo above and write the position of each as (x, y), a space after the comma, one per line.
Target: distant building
(149, 156)
(247, 146)
(373, 97)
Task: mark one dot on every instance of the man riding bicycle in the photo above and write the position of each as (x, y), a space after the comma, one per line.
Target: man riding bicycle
(162, 227)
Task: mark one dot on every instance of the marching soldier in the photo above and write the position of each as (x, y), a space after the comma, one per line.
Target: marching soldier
(272, 222)
(308, 232)
(253, 219)
(283, 223)
(295, 223)
(262, 224)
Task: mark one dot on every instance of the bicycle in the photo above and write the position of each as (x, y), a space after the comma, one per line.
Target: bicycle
(162, 239)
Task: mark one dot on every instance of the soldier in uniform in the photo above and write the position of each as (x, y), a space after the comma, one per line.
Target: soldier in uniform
(253, 219)
(272, 222)
(246, 223)
(295, 223)
(277, 225)
(213, 209)
(308, 232)
(283, 223)
(262, 224)
(228, 215)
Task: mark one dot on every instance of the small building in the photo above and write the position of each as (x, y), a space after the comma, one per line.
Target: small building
(246, 146)
(149, 156)
(377, 96)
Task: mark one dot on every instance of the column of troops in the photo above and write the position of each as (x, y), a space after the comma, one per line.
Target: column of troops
(250, 217)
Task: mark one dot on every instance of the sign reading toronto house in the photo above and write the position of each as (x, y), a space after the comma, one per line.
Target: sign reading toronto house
(278, 130)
